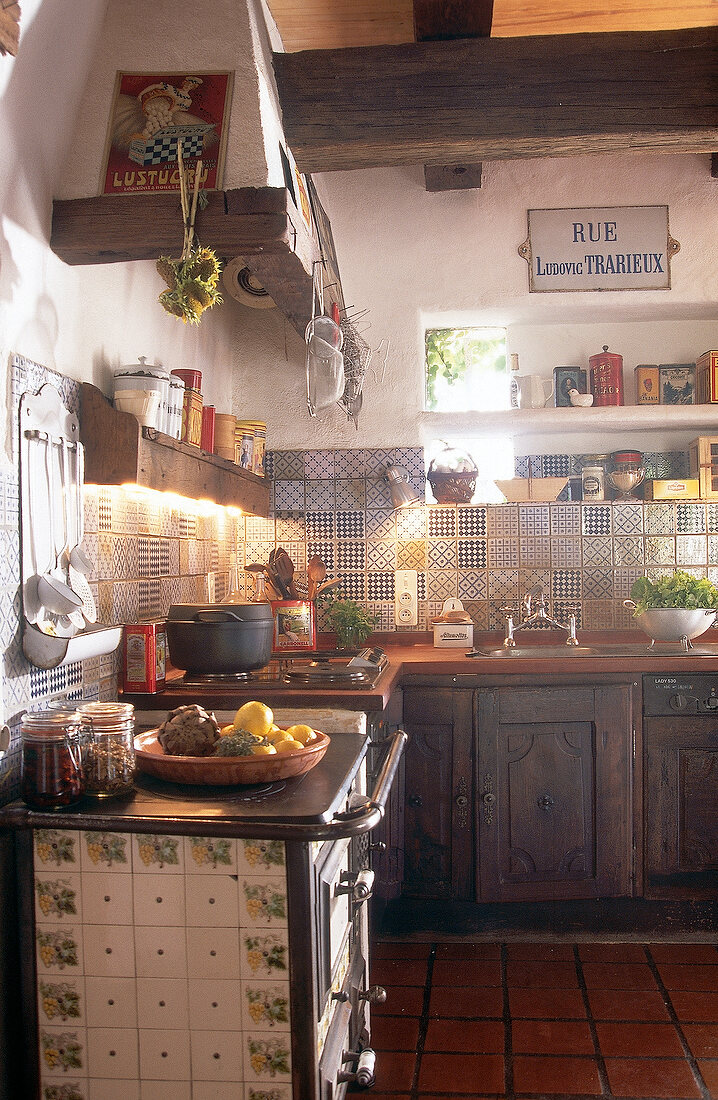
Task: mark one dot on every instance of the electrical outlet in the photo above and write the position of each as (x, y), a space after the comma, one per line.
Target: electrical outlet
(406, 605)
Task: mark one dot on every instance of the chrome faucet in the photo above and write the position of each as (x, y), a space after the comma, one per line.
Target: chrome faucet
(535, 597)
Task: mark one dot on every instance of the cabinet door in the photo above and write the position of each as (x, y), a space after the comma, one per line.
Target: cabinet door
(554, 793)
(681, 812)
(438, 834)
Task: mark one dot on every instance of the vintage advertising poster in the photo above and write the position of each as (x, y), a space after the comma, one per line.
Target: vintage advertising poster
(150, 113)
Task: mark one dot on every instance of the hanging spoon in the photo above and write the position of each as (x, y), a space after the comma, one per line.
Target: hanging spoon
(316, 571)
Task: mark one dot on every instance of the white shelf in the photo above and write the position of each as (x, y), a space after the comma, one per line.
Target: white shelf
(574, 421)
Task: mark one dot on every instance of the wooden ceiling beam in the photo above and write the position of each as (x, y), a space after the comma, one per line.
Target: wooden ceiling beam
(455, 102)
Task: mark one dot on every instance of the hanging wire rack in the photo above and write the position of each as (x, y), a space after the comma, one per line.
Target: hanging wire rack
(357, 357)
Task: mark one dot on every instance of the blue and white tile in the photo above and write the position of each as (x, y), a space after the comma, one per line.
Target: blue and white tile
(353, 585)
(596, 519)
(325, 551)
(521, 466)
(534, 552)
(565, 519)
(290, 526)
(259, 529)
(350, 464)
(380, 586)
(318, 465)
(411, 523)
(623, 581)
(502, 520)
(472, 584)
(441, 522)
(628, 519)
(411, 554)
(472, 522)
(660, 549)
(380, 554)
(556, 466)
(598, 614)
(564, 609)
(690, 518)
(377, 493)
(377, 459)
(288, 465)
(596, 550)
(440, 584)
(628, 551)
(320, 525)
(350, 494)
(566, 584)
(660, 518)
(712, 550)
(473, 553)
(410, 459)
(566, 553)
(503, 553)
(503, 584)
(350, 555)
(319, 495)
(349, 525)
(533, 520)
(691, 550)
(712, 518)
(441, 554)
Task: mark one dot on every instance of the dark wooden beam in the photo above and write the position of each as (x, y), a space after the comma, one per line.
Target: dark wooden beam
(435, 20)
(714, 165)
(457, 102)
(445, 19)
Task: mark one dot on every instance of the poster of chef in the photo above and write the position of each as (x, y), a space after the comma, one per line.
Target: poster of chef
(151, 112)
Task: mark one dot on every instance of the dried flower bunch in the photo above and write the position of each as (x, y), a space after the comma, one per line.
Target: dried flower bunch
(193, 280)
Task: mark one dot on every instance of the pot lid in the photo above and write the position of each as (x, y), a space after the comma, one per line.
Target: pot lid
(219, 613)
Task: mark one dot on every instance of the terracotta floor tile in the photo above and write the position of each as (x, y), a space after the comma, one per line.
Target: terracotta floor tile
(394, 1032)
(466, 972)
(638, 1039)
(541, 975)
(612, 952)
(398, 972)
(465, 1036)
(406, 1001)
(535, 951)
(617, 976)
(546, 1003)
(387, 950)
(544, 1075)
(551, 1037)
(627, 1004)
(651, 1078)
(709, 1073)
(696, 1007)
(467, 1073)
(684, 952)
(686, 976)
(465, 1001)
(702, 1039)
(468, 951)
(394, 1071)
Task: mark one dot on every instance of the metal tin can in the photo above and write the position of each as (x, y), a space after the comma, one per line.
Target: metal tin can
(260, 443)
(244, 444)
(647, 388)
(207, 440)
(192, 418)
(145, 657)
(593, 477)
(606, 378)
(224, 429)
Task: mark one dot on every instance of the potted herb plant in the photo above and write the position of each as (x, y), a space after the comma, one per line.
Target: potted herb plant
(352, 623)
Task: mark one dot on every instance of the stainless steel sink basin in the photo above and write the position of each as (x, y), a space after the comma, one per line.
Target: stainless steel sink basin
(548, 652)
(540, 651)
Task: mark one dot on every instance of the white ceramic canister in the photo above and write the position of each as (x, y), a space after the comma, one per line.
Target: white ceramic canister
(146, 376)
(176, 397)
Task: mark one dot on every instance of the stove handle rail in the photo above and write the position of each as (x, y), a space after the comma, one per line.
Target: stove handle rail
(368, 812)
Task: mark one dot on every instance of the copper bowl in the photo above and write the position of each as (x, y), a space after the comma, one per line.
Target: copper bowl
(225, 771)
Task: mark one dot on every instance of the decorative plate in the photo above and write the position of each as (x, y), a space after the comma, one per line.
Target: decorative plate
(225, 771)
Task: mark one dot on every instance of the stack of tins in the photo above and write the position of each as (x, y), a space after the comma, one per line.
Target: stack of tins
(250, 439)
(224, 432)
(191, 406)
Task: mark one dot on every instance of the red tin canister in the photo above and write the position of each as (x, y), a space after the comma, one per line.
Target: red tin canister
(606, 377)
(145, 653)
(207, 440)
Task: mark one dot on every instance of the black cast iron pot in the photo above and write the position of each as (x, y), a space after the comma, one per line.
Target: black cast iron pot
(221, 638)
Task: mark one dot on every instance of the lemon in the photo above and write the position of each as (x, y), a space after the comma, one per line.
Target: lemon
(301, 733)
(263, 750)
(226, 731)
(274, 732)
(279, 736)
(288, 746)
(255, 717)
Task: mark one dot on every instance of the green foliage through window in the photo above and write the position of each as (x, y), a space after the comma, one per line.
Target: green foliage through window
(466, 369)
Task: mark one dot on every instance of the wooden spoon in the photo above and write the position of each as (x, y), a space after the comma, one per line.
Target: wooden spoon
(285, 572)
(316, 571)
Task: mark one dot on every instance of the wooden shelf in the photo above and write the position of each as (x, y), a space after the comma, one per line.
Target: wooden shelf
(118, 451)
(573, 421)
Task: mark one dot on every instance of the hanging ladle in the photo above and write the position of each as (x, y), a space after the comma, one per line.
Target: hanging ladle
(53, 593)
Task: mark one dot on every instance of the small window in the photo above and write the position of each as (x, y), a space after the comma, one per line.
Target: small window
(466, 369)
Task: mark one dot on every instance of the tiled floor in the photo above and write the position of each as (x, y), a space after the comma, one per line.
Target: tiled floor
(540, 1020)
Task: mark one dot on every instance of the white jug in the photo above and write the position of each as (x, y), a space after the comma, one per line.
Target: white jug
(534, 391)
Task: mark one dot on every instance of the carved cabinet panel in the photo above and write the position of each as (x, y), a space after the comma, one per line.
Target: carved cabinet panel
(438, 808)
(681, 818)
(554, 793)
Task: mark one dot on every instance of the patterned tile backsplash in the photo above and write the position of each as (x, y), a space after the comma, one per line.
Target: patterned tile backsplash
(150, 551)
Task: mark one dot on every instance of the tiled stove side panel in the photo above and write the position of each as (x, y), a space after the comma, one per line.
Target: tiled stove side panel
(163, 966)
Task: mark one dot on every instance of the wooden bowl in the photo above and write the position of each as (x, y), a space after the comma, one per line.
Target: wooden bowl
(225, 771)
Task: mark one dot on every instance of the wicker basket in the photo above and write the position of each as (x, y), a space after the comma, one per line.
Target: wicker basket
(450, 487)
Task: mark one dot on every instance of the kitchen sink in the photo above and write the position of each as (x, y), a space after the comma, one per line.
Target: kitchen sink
(540, 651)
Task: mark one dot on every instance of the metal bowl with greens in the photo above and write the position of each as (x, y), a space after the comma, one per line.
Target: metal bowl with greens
(674, 608)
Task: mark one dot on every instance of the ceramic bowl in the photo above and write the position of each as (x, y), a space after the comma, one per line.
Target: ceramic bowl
(225, 771)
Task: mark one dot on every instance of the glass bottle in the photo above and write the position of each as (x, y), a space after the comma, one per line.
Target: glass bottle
(52, 773)
(109, 730)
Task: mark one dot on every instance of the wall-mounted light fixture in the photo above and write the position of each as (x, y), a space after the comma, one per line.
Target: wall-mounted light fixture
(401, 492)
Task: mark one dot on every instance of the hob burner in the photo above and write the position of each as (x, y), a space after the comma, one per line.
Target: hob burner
(205, 679)
(185, 792)
(322, 672)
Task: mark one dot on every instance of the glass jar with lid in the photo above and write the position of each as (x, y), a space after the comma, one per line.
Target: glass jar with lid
(52, 770)
(593, 477)
(110, 754)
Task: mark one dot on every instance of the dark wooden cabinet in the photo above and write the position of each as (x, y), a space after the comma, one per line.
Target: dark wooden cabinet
(681, 792)
(554, 784)
(438, 793)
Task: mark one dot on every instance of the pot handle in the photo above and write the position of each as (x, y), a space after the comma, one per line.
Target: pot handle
(629, 604)
(222, 616)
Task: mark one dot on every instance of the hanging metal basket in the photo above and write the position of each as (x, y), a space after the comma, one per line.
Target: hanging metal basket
(452, 486)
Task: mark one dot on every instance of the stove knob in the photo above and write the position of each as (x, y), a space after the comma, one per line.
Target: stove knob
(678, 702)
(711, 702)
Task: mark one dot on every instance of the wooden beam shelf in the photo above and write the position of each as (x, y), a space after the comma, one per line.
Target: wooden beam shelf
(260, 224)
(119, 451)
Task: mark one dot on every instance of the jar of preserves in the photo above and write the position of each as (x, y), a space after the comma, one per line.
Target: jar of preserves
(109, 730)
(52, 770)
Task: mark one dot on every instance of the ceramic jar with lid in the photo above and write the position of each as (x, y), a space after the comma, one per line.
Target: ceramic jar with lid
(593, 477)
(143, 389)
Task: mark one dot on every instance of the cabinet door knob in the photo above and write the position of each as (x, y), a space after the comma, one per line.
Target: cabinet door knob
(462, 801)
(545, 802)
(414, 800)
(375, 995)
(489, 799)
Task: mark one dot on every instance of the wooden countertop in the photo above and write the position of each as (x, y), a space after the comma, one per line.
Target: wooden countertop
(408, 660)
